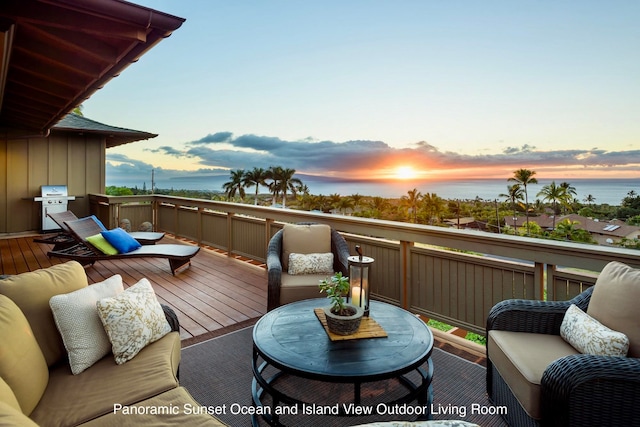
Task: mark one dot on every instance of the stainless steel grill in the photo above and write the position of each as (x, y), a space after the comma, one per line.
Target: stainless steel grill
(54, 198)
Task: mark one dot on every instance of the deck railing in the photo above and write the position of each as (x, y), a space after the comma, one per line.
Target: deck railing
(451, 275)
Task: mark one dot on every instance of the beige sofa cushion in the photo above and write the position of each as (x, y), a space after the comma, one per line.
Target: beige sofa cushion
(7, 396)
(73, 399)
(613, 302)
(178, 398)
(521, 358)
(304, 239)
(32, 292)
(12, 417)
(22, 365)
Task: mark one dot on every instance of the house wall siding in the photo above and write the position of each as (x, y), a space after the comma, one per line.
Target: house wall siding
(62, 158)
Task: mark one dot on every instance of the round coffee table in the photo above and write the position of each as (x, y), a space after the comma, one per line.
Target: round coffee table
(290, 340)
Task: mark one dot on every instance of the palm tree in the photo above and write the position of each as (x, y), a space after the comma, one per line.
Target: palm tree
(378, 206)
(321, 202)
(412, 201)
(235, 185)
(257, 177)
(589, 199)
(554, 194)
(357, 200)
(514, 194)
(569, 191)
(288, 182)
(433, 206)
(344, 204)
(569, 230)
(525, 177)
(274, 173)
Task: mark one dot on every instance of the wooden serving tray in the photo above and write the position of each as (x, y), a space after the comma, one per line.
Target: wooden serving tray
(369, 328)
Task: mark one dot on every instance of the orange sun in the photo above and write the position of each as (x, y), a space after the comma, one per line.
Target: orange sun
(406, 172)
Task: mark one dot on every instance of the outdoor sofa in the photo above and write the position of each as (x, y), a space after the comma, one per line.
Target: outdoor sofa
(37, 362)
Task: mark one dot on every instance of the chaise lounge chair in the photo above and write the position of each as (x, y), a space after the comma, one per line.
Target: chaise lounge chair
(64, 239)
(87, 254)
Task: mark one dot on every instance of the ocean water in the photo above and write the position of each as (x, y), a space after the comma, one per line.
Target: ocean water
(609, 191)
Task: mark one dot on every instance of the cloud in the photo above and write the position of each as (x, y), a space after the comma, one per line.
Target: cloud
(121, 170)
(170, 151)
(358, 158)
(213, 138)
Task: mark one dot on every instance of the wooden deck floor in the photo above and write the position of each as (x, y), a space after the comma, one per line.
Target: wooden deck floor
(216, 291)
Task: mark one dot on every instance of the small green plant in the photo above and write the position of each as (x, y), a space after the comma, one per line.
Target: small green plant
(336, 287)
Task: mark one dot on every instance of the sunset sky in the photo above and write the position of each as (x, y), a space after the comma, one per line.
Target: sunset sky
(385, 88)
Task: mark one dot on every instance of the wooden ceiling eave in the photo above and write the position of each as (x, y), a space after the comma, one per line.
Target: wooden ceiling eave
(61, 51)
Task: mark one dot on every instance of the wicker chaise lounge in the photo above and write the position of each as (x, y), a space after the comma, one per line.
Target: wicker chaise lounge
(87, 254)
(64, 239)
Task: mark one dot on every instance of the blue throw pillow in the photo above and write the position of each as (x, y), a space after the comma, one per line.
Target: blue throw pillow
(100, 224)
(121, 240)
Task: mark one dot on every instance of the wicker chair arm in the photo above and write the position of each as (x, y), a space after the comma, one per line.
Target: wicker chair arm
(274, 270)
(172, 318)
(340, 249)
(591, 390)
(541, 317)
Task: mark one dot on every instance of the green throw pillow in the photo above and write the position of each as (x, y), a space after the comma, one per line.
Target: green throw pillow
(102, 244)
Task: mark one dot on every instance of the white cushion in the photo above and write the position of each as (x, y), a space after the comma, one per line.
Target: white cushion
(589, 336)
(132, 320)
(311, 263)
(77, 319)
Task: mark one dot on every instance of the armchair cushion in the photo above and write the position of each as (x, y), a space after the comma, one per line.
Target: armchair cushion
(521, 358)
(589, 336)
(299, 287)
(614, 300)
(311, 263)
(304, 239)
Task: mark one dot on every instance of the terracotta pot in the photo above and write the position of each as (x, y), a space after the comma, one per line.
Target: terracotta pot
(344, 325)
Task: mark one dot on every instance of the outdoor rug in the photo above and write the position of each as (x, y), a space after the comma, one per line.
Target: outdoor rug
(218, 374)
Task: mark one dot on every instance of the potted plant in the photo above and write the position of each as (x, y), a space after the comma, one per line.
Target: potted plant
(342, 318)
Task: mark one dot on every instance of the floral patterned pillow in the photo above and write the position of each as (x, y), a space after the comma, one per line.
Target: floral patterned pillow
(132, 320)
(311, 263)
(589, 336)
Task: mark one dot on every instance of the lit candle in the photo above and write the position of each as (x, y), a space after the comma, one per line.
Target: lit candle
(356, 291)
(364, 294)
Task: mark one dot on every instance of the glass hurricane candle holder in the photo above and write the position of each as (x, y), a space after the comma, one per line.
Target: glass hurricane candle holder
(359, 281)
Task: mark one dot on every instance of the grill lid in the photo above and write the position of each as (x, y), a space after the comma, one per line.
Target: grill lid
(54, 191)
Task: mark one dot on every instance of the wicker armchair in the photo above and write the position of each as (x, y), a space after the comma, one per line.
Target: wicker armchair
(300, 287)
(576, 389)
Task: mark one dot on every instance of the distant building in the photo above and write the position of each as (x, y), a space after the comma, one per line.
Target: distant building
(603, 232)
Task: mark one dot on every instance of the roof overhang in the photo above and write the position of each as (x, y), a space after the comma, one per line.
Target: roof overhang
(54, 54)
(114, 136)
